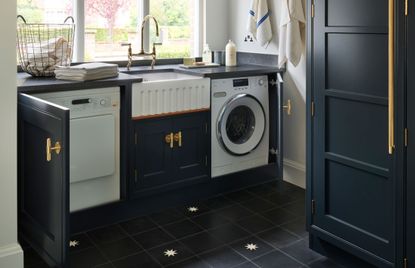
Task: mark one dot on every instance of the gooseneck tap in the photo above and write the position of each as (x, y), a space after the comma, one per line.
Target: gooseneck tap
(142, 51)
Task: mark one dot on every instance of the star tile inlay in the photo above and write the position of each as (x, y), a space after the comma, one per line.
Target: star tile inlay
(251, 247)
(193, 209)
(73, 243)
(170, 253)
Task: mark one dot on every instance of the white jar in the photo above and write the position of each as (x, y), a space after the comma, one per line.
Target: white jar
(207, 54)
(231, 54)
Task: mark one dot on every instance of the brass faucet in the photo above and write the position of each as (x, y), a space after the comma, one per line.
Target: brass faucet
(142, 52)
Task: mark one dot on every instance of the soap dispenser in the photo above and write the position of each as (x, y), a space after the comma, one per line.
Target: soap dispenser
(207, 54)
(231, 54)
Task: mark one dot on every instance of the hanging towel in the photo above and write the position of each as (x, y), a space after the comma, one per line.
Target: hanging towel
(258, 22)
(290, 35)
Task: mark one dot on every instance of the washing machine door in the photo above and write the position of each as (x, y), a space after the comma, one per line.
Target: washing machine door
(241, 124)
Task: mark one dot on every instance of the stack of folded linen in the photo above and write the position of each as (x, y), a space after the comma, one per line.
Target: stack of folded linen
(86, 71)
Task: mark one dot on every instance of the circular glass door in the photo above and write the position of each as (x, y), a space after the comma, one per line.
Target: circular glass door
(241, 124)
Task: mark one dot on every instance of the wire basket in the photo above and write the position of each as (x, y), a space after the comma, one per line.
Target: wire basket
(42, 46)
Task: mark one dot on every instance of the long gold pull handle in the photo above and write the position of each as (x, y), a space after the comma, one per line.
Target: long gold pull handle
(178, 138)
(391, 76)
(57, 148)
(288, 107)
(169, 139)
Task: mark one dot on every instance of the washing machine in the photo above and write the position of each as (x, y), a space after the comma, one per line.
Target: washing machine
(240, 124)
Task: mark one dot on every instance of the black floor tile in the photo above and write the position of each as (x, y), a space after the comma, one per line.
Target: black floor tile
(87, 258)
(277, 237)
(79, 242)
(229, 233)
(140, 260)
(280, 199)
(239, 196)
(223, 257)
(243, 247)
(193, 262)
(276, 259)
(138, 225)
(258, 205)
(262, 189)
(301, 252)
(119, 249)
(247, 264)
(194, 209)
(201, 242)
(210, 220)
(167, 216)
(297, 227)
(279, 216)
(107, 234)
(182, 253)
(297, 208)
(255, 224)
(32, 259)
(182, 228)
(324, 263)
(235, 212)
(105, 265)
(218, 202)
(153, 238)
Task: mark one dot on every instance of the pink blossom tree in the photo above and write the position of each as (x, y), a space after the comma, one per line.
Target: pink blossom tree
(107, 9)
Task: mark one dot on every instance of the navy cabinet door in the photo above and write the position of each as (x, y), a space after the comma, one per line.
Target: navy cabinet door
(153, 166)
(190, 153)
(410, 176)
(44, 181)
(353, 187)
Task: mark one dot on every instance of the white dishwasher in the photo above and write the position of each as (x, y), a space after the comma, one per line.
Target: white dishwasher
(94, 144)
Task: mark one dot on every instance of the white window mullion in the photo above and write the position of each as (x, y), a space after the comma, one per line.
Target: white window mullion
(79, 16)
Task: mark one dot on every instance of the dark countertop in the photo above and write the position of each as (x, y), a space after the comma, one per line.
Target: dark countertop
(29, 84)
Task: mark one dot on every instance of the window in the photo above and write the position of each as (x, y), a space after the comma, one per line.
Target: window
(109, 23)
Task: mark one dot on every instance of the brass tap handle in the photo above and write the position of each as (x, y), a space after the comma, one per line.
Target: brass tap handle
(57, 148)
(169, 139)
(288, 107)
(178, 138)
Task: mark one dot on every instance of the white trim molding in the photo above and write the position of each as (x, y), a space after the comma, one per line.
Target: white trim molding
(294, 172)
(11, 256)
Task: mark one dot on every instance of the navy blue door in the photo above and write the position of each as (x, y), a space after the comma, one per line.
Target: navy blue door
(353, 187)
(44, 178)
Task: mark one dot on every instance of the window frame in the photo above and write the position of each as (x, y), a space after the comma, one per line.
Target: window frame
(79, 16)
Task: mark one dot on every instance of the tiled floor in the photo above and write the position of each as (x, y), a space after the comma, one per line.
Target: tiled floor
(263, 226)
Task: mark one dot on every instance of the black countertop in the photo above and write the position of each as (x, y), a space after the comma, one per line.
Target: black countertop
(29, 84)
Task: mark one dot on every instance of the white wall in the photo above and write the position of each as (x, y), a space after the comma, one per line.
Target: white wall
(295, 85)
(216, 24)
(11, 254)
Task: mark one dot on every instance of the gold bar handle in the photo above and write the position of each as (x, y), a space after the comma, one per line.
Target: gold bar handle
(288, 107)
(178, 138)
(391, 76)
(57, 148)
(169, 139)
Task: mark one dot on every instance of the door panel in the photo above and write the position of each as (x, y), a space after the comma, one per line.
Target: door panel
(191, 158)
(410, 176)
(352, 181)
(43, 185)
(153, 154)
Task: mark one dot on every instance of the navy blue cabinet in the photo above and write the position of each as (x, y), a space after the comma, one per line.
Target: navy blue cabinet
(170, 152)
(352, 187)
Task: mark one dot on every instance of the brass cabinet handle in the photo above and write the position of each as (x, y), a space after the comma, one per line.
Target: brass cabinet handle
(178, 138)
(169, 139)
(288, 107)
(391, 76)
(57, 148)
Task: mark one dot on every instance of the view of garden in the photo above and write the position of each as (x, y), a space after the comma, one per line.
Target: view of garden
(108, 23)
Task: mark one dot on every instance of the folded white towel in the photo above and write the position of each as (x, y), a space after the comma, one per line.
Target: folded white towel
(86, 71)
(259, 24)
(291, 39)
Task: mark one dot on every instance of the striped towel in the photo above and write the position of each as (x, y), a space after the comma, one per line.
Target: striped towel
(258, 22)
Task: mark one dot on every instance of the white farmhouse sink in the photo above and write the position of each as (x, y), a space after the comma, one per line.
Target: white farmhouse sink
(169, 92)
(165, 76)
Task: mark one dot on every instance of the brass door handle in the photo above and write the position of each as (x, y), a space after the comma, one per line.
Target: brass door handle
(169, 139)
(178, 138)
(391, 76)
(57, 148)
(288, 107)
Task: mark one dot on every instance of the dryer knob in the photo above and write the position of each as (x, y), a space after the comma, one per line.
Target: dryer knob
(103, 102)
(261, 82)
